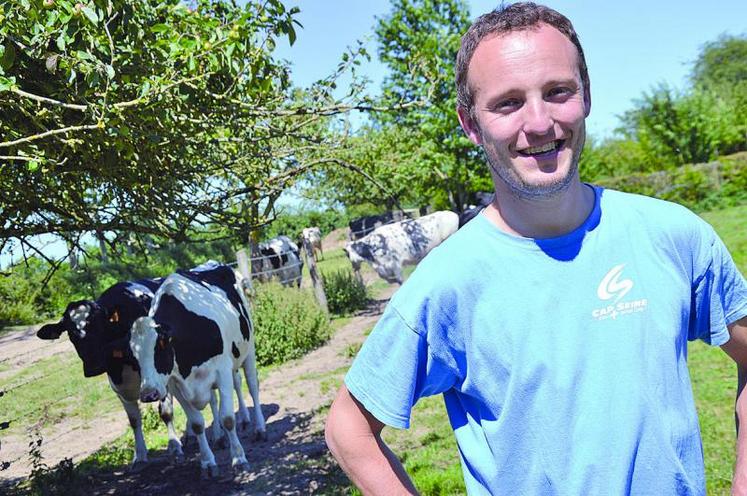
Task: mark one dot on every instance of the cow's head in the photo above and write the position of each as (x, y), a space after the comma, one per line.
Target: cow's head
(90, 328)
(150, 343)
(355, 259)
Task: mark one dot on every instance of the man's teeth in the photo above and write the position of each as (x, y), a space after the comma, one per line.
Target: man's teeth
(534, 150)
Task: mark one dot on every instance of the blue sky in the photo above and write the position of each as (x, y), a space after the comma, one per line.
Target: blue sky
(630, 46)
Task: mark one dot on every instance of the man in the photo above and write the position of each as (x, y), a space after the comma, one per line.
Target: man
(560, 345)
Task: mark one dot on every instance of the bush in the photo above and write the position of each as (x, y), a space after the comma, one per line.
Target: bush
(288, 323)
(345, 292)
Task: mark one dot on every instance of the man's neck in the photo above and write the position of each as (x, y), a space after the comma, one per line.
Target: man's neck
(541, 218)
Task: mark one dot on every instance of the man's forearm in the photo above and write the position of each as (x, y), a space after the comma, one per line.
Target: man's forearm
(739, 485)
(354, 438)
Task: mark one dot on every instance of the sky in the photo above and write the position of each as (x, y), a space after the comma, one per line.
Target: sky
(631, 46)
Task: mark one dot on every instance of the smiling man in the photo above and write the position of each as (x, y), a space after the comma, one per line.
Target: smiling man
(560, 345)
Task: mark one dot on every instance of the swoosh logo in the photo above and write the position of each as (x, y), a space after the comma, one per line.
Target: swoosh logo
(612, 287)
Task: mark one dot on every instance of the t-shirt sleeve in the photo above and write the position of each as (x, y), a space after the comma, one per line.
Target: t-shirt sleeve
(393, 369)
(719, 292)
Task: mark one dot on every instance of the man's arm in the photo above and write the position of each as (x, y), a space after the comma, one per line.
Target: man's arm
(354, 438)
(736, 348)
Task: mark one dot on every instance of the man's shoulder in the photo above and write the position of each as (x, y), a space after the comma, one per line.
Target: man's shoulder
(621, 202)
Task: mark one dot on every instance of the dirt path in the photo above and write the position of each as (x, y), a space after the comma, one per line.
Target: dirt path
(294, 398)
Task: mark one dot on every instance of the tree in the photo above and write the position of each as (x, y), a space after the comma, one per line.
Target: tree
(153, 117)
(721, 63)
(418, 41)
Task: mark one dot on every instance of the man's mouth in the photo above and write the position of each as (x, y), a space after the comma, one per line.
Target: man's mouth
(547, 148)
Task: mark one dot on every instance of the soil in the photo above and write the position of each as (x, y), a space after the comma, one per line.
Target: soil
(293, 460)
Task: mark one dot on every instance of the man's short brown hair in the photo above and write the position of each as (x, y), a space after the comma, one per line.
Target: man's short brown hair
(516, 17)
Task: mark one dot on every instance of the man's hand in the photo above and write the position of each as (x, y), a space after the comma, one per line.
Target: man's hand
(354, 438)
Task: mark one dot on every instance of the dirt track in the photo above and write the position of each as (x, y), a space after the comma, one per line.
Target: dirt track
(294, 398)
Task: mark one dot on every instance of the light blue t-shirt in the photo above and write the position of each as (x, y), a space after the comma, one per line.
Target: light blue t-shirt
(563, 362)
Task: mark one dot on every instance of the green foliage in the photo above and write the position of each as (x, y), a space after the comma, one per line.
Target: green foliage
(288, 323)
(721, 63)
(419, 155)
(699, 187)
(345, 292)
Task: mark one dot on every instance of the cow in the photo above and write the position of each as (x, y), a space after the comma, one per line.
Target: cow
(391, 246)
(362, 226)
(313, 236)
(100, 333)
(281, 258)
(197, 333)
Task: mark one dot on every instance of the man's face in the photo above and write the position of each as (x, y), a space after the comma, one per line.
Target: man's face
(529, 110)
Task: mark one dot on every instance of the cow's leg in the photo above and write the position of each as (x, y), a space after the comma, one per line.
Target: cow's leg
(197, 422)
(136, 422)
(250, 372)
(166, 412)
(228, 420)
(242, 419)
(218, 434)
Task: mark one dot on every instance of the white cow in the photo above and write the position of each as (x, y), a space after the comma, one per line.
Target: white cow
(407, 242)
(196, 334)
(313, 236)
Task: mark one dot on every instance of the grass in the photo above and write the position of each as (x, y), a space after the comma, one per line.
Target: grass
(58, 382)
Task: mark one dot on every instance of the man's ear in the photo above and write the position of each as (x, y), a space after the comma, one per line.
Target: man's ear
(587, 100)
(470, 127)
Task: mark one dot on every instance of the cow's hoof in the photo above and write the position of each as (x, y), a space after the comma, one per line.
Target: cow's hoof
(240, 468)
(209, 472)
(260, 436)
(137, 466)
(244, 425)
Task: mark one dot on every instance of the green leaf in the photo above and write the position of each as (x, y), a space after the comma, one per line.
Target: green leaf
(91, 14)
(6, 83)
(61, 42)
(8, 57)
(33, 165)
(159, 28)
(110, 71)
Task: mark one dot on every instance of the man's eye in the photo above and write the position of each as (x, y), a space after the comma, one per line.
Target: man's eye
(509, 104)
(559, 92)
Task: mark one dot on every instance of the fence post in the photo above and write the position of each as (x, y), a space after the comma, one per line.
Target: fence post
(316, 281)
(245, 268)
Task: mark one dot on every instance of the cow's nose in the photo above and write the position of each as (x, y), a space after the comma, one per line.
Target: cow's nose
(149, 396)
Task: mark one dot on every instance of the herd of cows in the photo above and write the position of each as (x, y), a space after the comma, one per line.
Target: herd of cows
(187, 335)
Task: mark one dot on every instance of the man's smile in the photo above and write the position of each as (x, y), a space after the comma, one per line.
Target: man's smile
(547, 148)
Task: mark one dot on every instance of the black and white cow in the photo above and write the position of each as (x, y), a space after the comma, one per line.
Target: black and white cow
(196, 334)
(407, 242)
(313, 236)
(279, 258)
(100, 333)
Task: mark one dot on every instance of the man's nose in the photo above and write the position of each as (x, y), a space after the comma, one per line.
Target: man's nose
(537, 118)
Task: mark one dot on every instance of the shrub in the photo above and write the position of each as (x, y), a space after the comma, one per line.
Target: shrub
(345, 292)
(288, 323)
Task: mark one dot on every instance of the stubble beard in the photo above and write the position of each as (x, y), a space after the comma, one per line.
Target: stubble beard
(504, 171)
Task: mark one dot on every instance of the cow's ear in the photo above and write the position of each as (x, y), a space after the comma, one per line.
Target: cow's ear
(50, 331)
(114, 316)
